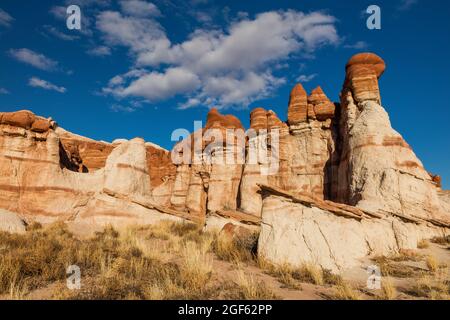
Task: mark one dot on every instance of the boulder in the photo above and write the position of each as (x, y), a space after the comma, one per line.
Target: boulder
(297, 231)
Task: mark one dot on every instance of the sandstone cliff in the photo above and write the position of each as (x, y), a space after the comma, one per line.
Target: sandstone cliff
(343, 177)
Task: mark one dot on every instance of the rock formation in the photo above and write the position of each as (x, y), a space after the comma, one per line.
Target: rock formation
(331, 185)
(378, 170)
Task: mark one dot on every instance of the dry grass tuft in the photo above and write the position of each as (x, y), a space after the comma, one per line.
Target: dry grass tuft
(388, 267)
(388, 290)
(432, 264)
(236, 249)
(307, 273)
(196, 265)
(423, 244)
(311, 273)
(435, 287)
(344, 291)
(251, 289)
(406, 255)
(283, 273)
(445, 240)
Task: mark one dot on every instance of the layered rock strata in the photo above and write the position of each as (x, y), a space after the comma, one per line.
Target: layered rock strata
(297, 230)
(331, 185)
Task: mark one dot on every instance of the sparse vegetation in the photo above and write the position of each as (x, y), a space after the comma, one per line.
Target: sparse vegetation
(435, 287)
(171, 260)
(307, 273)
(236, 249)
(196, 265)
(345, 291)
(432, 264)
(391, 267)
(445, 240)
(388, 290)
(167, 260)
(251, 289)
(423, 244)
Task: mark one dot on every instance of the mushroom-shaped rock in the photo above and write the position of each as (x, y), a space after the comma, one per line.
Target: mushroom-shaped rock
(362, 73)
(370, 60)
(216, 119)
(298, 105)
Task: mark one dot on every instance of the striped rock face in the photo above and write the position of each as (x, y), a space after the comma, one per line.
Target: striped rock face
(208, 185)
(54, 175)
(347, 153)
(378, 170)
(362, 73)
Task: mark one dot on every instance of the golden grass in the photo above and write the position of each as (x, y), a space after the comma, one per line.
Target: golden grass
(388, 290)
(432, 263)
(283, 273)
(168, 260)
(435, 287)
(291, 277)
(251, 289)
(196, 265)
(406, 255)
(18, 289)
(345, 291)
(235, 249)
(423, 244)
(441, 240)
(388, 267)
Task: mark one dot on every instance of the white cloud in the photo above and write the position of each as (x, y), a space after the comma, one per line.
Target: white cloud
(99, 51)
(158, 86)
(61, 35)
(89, 3)
(3, 91)
(5, 19)
(221, 68)
(59, 12)
(35, 59)
(139, 8)
(407, 4)
(138, 34)
(306, 78)
(360, 45)
(39, 83)
(121, 108)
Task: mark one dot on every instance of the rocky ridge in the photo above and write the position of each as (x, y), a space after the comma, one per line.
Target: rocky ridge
(344, 176)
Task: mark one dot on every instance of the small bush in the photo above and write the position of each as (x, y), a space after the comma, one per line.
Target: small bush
(236, 249)
(389, 292)
(344, 291)
(432, 264)
(251, 289)
(423, 244)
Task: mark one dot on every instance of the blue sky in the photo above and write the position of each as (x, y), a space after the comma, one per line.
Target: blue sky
(141, 68)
